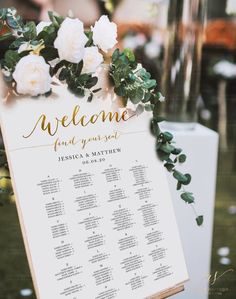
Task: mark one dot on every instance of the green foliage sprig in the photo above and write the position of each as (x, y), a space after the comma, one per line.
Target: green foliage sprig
(134, 83)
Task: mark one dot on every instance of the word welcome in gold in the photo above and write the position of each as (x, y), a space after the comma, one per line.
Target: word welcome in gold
(52, 127)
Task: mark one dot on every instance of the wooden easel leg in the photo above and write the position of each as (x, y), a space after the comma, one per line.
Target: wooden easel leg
(168, 293)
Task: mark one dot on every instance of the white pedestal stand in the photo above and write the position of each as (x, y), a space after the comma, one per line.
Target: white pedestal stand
(201, 147)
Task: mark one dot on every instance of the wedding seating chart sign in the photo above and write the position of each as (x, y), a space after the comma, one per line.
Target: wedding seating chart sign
(93, 199)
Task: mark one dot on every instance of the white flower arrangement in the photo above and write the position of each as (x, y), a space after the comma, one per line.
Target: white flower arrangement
(62, 40)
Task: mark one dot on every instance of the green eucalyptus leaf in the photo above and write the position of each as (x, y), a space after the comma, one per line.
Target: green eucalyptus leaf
(149, 107)
(137, 96)
(115, 55)
(167, 148)
(167, 136)
(89, 35)
(12, 22)
(96, 90)
(80, 92)
(188, 197)
(90, 98)
(63, 74)
(48, 35)
(180, 177)
(176, 151)
(84, 78)
(58, 66)
(169, 166)
(59, 19)
(155, 129)
(11, 58)
(162, 155)
(159, 118)
(179, 185)
(120, 90)
(199, 220)
(129, 54)
(139, 109)
(149, 84)
(144, 74)
(147, 97)
(17, 43)
(91, 82)
(182, 158)
(49, 53)
(47, 94)
(53, 19)
(30, 31)
(79, 68)
(189, 178)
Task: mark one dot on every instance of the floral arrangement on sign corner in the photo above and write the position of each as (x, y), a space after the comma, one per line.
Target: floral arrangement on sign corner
(62, 48)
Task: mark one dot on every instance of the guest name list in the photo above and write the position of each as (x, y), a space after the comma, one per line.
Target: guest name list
(97, 219)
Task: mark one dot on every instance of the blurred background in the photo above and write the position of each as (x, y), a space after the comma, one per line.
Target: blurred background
(189, 46)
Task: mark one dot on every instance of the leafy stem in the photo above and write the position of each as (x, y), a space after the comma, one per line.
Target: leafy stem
(134, 83)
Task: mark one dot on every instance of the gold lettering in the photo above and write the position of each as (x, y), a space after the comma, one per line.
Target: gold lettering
(58, 143)
(63, 121)
(51, 127)
(94, 118)
(115, 115)
(74, 114)
(44, 127)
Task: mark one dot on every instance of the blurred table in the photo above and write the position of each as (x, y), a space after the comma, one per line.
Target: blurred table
(201, 147)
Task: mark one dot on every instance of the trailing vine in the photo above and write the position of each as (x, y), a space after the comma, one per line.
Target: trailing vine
(131, 81)
(134, 83)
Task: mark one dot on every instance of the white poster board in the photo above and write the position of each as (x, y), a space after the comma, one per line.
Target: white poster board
(93, 200)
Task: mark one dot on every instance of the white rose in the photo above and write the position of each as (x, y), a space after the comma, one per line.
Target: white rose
(92, 60)
(71, 40)
(41, 26)
(32, 75)
(104, 34)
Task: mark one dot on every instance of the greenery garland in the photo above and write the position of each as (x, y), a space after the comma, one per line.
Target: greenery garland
(131, 82)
